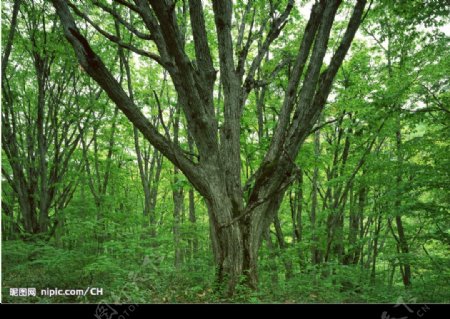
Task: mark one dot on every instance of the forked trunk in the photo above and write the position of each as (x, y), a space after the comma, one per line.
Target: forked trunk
(236, 241)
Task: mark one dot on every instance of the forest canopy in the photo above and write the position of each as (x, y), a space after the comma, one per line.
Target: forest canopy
(281, 151)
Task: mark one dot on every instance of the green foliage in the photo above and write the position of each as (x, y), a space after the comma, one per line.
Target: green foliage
(123, 219)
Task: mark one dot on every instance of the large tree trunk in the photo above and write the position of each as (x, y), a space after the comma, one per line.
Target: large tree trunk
(237, 241)
(227, 244)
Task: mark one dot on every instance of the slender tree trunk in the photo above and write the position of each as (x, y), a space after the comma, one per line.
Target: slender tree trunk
(391, 275)
(193, 221)
(272, 259)
(192, 216)
(143, 176)
(283, 246)
(403, 243)
(315, 253)
(42, 146)
(361, 204)
(178, 207)
(352, 229)
(296, 205)
(375, 249)
(178, 198)
(154, 179)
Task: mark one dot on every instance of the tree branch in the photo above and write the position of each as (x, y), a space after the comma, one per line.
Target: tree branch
(9, 41)
(114, 38)
(95, 67)
(127, 25)
(202, 51)
(275, 28)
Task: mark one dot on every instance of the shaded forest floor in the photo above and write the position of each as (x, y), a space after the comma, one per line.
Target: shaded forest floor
(134, 274)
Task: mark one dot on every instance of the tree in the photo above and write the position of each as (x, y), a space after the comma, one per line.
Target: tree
(237, 221)
(40, 119)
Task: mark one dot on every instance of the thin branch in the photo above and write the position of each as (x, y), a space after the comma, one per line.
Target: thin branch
(9, 42)
(319, 127)
(127, 25)
(161, 120)
(114, 38)
(130, 6)
(275, 28)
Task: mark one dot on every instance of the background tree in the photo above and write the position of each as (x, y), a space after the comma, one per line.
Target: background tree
(40, 116)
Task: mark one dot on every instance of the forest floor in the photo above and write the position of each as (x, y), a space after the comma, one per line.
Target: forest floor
(138, 277)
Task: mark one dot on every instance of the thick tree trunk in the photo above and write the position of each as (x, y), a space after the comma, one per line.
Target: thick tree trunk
(29, 215)
(227, 244)
(236, 241)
